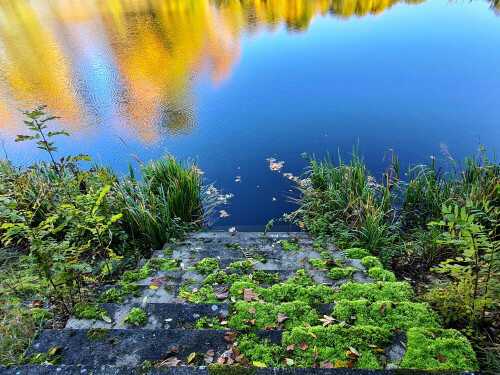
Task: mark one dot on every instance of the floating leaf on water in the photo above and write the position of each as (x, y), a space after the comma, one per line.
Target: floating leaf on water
(232, 229)
(275, 165)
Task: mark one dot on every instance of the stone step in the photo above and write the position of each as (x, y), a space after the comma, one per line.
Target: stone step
(134, 346)
(197, 370)
(225, 253)
(160, 315)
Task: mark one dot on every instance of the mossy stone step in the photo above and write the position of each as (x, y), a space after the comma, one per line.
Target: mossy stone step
(160, 316)
(133, 347)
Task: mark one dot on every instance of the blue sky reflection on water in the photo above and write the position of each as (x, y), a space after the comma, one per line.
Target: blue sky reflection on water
(411, 78)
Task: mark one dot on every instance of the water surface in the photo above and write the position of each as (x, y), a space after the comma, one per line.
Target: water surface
(236, 82)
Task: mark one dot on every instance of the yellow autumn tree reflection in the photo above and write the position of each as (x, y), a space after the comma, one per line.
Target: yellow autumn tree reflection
(136, 61)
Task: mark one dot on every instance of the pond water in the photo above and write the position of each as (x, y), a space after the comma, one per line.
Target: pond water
(235, 82)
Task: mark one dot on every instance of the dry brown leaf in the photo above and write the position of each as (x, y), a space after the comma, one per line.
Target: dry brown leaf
(282, 318)
(326, 364)
(441, 358)
(350, 365)
(159, 281)
(303, 346)
(221, 292)
(251, 310)
(180, 300)
(249, 295)
(230, 336)
(290, 347)
(383, 307)
(351, 355)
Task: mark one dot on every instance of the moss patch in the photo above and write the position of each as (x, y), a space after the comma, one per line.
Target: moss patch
(342, 273)
(207, 265)
(97, 333)
(255, 315)
(430, 349)
(112, 295)
(370, 262)
(380, 291)
(242, 265)
(218, 369)
(379, 274)
(332, 343)
(162, 264)
(387, 314)
(53, 356)
(89, 310)
(40, 315)
(137, 316)
(357, 253)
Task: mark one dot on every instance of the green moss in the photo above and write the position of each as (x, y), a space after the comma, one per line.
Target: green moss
(380, 291)
(207, 265)
(266, 278)
(233, 246)
(218, 369)
(266, 315)
(438, 349)
(162, 264)
(137, 316)
(290, 245)
(370, 262)
(40, 315)
(341, 273)
(52, 356)
(204, 294)
(209, 323)
(301, 278)
(133, 276)
(325, 255)
(89, 310)
(357, 253)
(379, 274)
(133, 289)
(112, 295)
(97, 333)
(261, 350)
(333, 342)
(168, 251)
(242, 265)
(259, 258)
(387, 314)
(220, 278)
(321, 264)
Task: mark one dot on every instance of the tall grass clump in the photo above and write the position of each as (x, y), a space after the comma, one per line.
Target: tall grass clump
(345, 201)
(166, 201)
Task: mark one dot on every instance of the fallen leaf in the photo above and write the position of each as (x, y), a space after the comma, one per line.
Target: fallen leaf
(191, 357)
(350, 365)
(52, 352)
(355, 351)
(153, 287)
(159, 281)
(351, 355)
(232, 229)
(327, 320)
(221, 292)
(383, 307)
(282, 318)
(251, 310)
(315, 354)
(289, 361)
(249, 295)
(168, 320)
(290, 347)
(209, 357)
(441, 358)
(230, 336)
(223, 213)
(313, 335)
(258, 364)
(106, 318)
(326, 364)
(340, 364)
(274, 165)
(180, 300)
(303, 346)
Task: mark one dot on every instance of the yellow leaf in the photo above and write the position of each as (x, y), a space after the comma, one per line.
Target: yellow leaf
(124, 321)
(191, 357)
(240, 291)
(153, 287)
(52, 352)
(313, 335)
(258, 364)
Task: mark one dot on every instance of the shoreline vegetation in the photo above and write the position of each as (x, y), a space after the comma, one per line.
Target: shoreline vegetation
(67, 231)
(439, 230)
